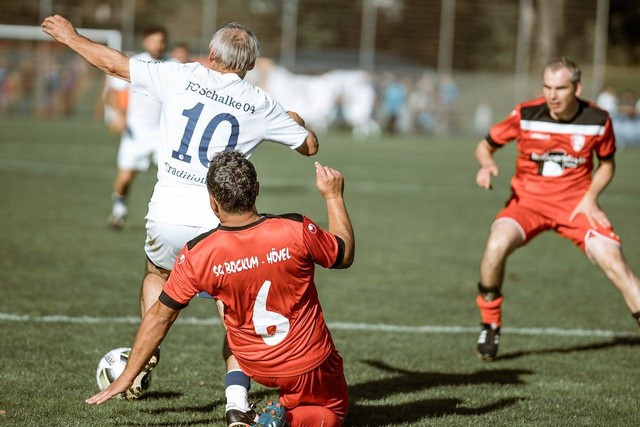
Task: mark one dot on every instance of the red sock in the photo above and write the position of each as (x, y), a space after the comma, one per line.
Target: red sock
(490, 310)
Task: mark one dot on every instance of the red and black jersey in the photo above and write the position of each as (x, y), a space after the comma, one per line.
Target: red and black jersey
(263, 273)
(555, 158)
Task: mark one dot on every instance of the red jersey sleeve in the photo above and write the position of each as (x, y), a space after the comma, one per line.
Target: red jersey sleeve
(325, 248)
(607, 145)
(505, 131)
(183, 283)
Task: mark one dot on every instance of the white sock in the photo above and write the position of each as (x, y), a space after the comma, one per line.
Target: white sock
(237, 397)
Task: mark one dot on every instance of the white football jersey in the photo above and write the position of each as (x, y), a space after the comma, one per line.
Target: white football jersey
(204, 112)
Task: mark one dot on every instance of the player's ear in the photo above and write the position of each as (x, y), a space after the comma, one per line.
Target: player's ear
(257, 188)
(214, 205)
(578, 88)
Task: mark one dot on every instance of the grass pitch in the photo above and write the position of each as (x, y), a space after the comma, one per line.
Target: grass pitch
(403, 317)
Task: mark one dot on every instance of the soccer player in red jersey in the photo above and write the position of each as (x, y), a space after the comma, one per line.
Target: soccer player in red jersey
(554, 187)
(260, 268)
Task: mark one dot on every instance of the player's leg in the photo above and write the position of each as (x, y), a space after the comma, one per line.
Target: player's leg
(514, 226)
(154, 279)
(238, 411)
(315, 397)
(133, 157)
(506, 235)
(162, 245)
(312, 416)
(119, 211)
(603, 246)
(607, 255)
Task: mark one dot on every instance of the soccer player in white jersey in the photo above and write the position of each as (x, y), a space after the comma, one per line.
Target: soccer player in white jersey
(205, 110)
(137, 119)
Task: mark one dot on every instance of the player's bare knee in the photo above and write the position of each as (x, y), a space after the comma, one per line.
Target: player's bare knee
(498, 247)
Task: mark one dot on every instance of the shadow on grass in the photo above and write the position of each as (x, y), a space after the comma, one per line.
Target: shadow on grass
(404, 381)
(411, 381)
(616, 342)
(382, 415)
(260, 396)
(157, 395)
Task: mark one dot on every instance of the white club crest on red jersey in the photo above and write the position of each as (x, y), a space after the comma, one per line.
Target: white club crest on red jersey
(577, 142)
(181, 259)
(312, 228)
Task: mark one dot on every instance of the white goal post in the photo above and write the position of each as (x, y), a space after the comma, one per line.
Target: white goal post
(112, 38)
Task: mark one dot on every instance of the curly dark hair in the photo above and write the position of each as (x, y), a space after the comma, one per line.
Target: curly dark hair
(232, 180)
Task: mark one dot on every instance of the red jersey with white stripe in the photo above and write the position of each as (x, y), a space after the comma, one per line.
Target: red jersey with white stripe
(263, 273)
(555, 158)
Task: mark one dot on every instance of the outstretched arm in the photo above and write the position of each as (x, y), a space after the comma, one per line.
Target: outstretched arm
(488, 166)
(154, 327)
(110, 61)
(310, 145)
(330, 183)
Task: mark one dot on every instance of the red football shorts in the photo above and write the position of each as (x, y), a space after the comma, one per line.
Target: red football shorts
(316, 398)
(534, 215)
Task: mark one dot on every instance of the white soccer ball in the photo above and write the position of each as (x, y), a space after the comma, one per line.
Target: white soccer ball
(111, 367)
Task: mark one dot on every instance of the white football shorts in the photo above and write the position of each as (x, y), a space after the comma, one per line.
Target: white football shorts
(165, 241)
(137, 153)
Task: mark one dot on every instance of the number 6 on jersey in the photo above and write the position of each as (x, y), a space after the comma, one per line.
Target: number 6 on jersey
(271, 326)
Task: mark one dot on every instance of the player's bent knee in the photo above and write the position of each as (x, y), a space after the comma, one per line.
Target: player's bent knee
(312, 416)
(499, 246)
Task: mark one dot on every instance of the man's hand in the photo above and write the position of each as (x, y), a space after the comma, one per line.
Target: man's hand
(483, 178)
(329, 182)
(119, 386)
(59, 28)
(588, 206)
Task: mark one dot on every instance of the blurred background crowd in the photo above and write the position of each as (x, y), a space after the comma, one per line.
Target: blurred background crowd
(372, 66)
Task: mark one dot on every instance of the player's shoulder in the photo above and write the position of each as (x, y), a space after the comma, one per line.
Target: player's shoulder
(200, 238)
(533, 108)
(293, 217)
(591, 113)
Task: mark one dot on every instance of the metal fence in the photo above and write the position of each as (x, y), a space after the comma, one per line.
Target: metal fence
(491, 50)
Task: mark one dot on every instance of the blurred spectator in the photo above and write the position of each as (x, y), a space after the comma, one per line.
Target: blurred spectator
(627, 104)
(51, 85)
(394, 99)
(4, 85)
(626, 123)
(180, 52)
(422, 105)
(608, 100)
(73, 82)
(482, 119)
(448, 99)
(26, 86)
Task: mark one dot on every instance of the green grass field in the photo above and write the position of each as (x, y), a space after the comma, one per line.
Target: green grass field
(403, 317)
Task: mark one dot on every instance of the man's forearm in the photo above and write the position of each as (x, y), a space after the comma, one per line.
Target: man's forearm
(104, 58)
(484, 154)
(340, 225)
(601, 178)
(154, 327)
